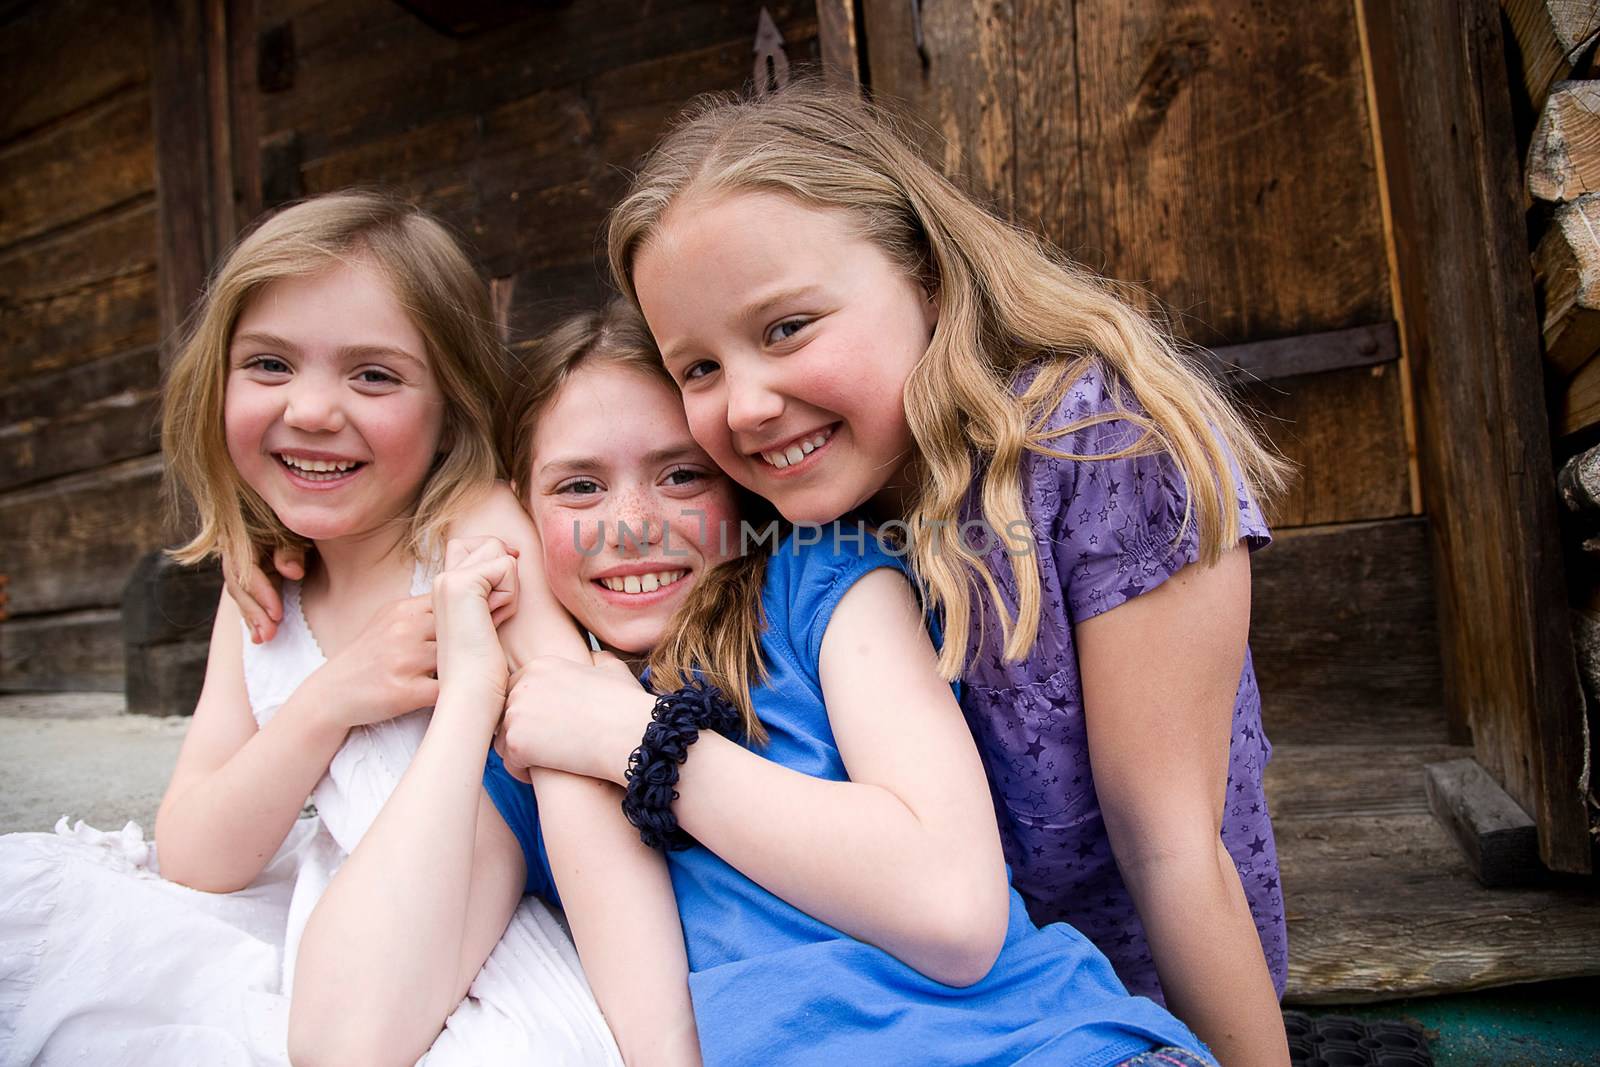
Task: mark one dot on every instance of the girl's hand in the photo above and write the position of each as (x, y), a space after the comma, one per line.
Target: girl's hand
(387, 670)
(574, 717)
(475, 593)
(256, 592)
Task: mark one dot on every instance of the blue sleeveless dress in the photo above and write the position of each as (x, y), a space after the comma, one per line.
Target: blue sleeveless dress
(772, 985)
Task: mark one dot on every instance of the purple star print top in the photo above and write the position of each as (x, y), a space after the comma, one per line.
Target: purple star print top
(1107, 531)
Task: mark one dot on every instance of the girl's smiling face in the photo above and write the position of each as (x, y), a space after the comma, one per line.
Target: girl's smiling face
(331, 411)
(631, 512)
(791, 337)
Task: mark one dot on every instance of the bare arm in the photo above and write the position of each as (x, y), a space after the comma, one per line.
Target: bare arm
(1158, 741)
(237, 790)
(905, 855)
(463, 895)
(615, 891)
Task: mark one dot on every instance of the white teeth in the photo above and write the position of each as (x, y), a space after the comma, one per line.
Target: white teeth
(642, 583)
(318, 466)
(797, 451)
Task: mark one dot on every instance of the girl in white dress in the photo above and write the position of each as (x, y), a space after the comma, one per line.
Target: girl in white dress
(334, 395)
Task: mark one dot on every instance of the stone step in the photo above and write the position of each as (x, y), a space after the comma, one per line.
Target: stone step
(77, 755)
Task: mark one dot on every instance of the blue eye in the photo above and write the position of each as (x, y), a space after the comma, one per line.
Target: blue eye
(579, 486)
(268, 364)
(375, 376)
(698, 369)
(786, 329)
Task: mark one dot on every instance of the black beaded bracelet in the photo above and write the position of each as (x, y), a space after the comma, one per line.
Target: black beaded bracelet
(652, 772)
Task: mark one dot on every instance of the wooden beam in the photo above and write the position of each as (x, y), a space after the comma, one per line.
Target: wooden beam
(841, 45)
(207, 183)
(1482, 432)
(1313, 353)
(1497, 837)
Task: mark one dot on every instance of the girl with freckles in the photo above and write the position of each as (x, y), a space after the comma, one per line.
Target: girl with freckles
(843, 898)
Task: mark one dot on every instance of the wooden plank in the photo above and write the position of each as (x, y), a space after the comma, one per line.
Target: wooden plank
(1471, 325)
(52, 396)
(1312, 353)
(1344, 636)
(961, 84)
(1383, 905)
(1566, 278)
(1499, 840)
(79, 650)
(1345, 434)
(841, 45)
(113, 427)
(107, 52)
(1169, 146)
(1564, 155)
(366, 69)
(71, 543)
(1319, 782)
(1579, 406)
(74, 327)
(106, 247)
(185, 156)
(99, 159)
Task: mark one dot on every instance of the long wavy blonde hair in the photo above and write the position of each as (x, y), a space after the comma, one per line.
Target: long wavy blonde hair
(1007, 302)
(433, 280)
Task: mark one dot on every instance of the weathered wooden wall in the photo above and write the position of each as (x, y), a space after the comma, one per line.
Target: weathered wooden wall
(135, 141)
(1221, 158)
(79, 330)
(521, 137)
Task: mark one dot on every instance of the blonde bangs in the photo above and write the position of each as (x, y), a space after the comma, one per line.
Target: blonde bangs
(437, 285)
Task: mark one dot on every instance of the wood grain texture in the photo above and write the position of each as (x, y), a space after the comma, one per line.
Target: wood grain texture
(78, 650)
(1499, 840)
(1344, 432)
(1167, 143)
(838, 41)
(100, 158)
(1380, 902)
(961, 89)
(527, 170)
(1547, 36)
(1193, 125)
(45, 82)
(71, 543)
(366, 69)
(75, 326)
(1344, 636)
(1566, 279)
(1471, 326)
(1564, 155)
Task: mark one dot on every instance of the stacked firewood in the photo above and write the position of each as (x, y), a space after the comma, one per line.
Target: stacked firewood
(1554, 45)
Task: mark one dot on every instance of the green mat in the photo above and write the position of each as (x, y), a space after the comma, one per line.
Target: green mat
(1552, 1024)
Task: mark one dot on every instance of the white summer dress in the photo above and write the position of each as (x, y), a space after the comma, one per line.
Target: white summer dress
(104, 962)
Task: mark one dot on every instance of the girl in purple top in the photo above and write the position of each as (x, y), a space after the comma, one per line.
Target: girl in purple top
(850, 332)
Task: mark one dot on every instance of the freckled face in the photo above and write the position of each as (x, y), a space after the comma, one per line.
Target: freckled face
(331, 410)
(792, 337)
(629, 509)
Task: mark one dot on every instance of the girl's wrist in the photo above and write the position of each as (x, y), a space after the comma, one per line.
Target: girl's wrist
(629, 729)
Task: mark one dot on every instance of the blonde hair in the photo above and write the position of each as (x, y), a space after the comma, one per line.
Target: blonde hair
(435, 282)
(1007, 302)
(726, 654)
